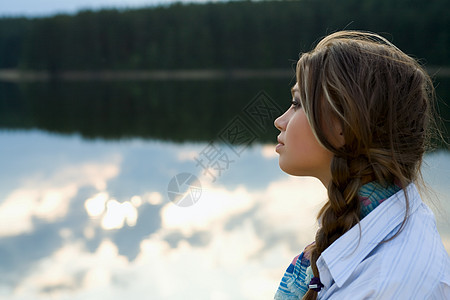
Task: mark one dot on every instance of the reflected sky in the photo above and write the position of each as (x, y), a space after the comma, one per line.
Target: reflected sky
(88, 219)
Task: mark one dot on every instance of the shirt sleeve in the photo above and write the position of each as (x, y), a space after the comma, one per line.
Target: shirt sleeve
(293, 285)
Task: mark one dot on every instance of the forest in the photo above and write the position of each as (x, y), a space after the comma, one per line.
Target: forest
(225, 35)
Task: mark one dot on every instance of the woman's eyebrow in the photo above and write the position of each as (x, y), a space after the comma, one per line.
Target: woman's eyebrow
(293, 90)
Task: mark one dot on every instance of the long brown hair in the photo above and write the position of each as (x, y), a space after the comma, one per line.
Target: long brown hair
(383, 101)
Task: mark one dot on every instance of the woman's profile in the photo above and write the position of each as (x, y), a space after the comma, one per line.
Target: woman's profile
(360, 121)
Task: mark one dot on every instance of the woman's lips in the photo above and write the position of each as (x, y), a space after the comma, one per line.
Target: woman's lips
(278, 147)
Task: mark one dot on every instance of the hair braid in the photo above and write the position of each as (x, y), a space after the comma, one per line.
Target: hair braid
(341, 212)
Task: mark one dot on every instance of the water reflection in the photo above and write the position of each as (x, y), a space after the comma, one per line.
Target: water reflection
(114, 214)
(91, 219)
(164, 110)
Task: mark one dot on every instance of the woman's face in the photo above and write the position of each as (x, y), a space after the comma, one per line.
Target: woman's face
(300, 152)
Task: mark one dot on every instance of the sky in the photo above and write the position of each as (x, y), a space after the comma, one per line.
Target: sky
(36, 8)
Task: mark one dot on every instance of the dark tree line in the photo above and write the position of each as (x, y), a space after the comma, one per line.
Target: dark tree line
(243, 34)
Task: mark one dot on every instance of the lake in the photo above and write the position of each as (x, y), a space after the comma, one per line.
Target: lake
(105, 190)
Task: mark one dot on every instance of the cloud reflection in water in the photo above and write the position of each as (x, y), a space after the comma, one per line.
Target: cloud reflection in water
(95, 222)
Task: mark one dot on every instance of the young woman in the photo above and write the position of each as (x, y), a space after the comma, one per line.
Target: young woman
(360, 123)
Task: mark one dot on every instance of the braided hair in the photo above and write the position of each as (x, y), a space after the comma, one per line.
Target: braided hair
(383, 101)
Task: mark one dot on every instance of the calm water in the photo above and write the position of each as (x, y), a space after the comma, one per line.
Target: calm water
(86, 171)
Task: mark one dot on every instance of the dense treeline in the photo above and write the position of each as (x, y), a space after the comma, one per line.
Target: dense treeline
(268, 34)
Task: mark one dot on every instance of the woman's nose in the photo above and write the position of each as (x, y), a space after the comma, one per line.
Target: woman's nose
(280, 122)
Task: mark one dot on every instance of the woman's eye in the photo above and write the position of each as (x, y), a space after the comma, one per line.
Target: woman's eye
(295, 103)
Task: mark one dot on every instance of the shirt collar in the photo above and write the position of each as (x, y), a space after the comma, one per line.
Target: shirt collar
(341, 258)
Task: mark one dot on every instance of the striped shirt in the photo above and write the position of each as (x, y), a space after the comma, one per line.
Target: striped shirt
(414, 265)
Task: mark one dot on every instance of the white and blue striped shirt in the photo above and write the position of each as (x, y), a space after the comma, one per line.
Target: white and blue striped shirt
(413, 265)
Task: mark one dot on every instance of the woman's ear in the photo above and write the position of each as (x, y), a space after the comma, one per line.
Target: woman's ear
(341, 139)
(334, 130)
(338, 138)
(337, 133)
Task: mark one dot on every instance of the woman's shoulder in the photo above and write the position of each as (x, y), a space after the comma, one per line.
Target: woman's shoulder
(414, 261)
(417, 239)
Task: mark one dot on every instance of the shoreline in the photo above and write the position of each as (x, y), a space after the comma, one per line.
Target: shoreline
(16, 75)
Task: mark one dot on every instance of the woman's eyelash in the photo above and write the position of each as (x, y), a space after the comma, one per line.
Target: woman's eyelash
(295, 103)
